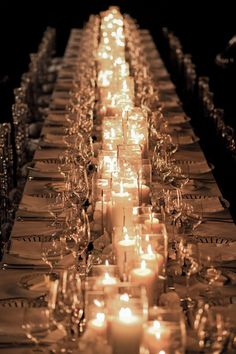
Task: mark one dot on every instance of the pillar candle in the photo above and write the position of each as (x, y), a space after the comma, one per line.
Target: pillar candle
(126, 332)
(125, 254)
(121, 213)
(146, 277)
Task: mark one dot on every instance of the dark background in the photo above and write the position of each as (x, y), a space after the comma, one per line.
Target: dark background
(204, 28)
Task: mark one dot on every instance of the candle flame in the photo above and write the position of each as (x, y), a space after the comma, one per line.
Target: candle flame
(121, 187)
(147, 238)
(113, 133)
(149, 249)
(97, 303)
(125, 313)
(100, 316)
(124, 297)
(156, 324)
(126, 237)
(108, 280)
(140, 250)
(124, 86)
(143, 265)
(106, 263)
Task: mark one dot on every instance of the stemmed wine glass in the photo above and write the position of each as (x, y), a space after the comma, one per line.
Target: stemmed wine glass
(66, 301)
(54, 251)
(210, 270)
(212, 328)
(189, 258)
(56, 207)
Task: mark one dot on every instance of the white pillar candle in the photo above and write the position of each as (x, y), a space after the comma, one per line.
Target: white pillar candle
(156, 338)
(125, 254)
(151, 258)
(126, 332)
(146, 277)
(121, 213)
(152, 225)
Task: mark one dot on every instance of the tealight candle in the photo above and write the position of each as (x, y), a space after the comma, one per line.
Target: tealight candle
(125, 254)
(121, 213)
(152, 225)
(126, 332)
(150, 258)
(107, 282)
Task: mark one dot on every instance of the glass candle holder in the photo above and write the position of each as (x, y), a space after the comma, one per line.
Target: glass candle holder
(127, 310)
(174, 321)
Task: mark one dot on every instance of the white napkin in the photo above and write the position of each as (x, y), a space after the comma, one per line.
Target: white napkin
(29, 228)
(30, 250)
(46, 167)
(11, 322)
(37, 205)
(54, 139)
(206, 204)
(178, 119)
(29, 260)
(45, 154)
(219, 252)
(185, 139)
(194, 167)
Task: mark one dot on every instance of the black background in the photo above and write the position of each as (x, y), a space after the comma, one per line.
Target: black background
(204, 28)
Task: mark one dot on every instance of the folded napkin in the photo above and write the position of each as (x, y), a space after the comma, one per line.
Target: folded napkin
(59, 131)
(43, 166)
(38, 207)
(217, 251)
(219, 229)
(23, 283)
(60, 101)
(29, 228)
(194, 167)
(54, 139)
(182, 139)
(204, 204)
(189, 157)
(30, 258)
(56, 118)
(178, 119)
(47, 154)
(31, 250)
(12, 320)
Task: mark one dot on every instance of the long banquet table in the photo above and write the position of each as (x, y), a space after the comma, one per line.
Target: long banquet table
(217, 232)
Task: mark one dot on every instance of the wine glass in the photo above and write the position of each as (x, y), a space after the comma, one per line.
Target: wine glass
(55, 208)
(174, 321)
(210, 270)
(67, 303)
(212, 328)
(190, 261)
(54, 251)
